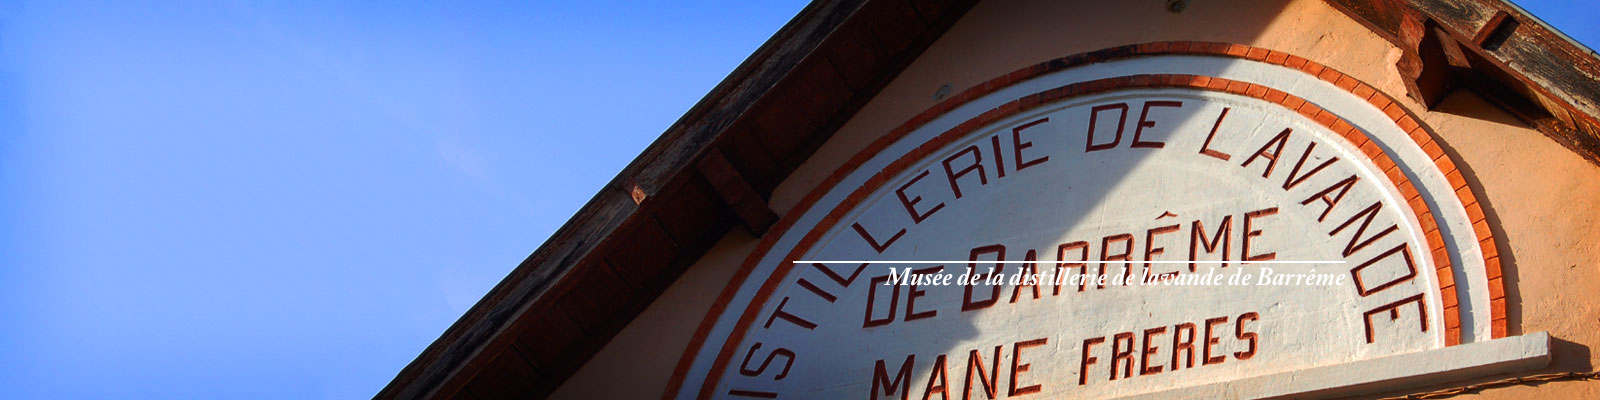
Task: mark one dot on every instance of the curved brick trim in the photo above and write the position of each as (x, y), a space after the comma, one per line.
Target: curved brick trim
(1402, 118)
(1405, 119)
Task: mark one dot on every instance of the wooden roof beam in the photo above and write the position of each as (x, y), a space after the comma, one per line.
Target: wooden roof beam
(1497, 50)
(737, 193)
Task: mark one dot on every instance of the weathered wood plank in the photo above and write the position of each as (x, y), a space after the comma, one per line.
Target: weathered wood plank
(737, 193)
(492, 326)
(1525, 57)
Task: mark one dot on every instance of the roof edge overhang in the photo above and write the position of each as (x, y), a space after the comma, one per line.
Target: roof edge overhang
(1498, 50)
(712, 169)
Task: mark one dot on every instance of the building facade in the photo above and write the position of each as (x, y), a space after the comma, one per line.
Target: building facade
(1243, 199)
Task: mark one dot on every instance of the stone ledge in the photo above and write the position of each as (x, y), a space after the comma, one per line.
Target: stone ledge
(1449, 364)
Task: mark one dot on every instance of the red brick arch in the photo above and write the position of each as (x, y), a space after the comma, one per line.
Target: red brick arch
(1403, 118)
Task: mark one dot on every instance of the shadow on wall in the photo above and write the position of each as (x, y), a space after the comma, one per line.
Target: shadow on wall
(1568, 356)
(1241, 29)
(1076, 202)
(1010, 25)
(1465, 104)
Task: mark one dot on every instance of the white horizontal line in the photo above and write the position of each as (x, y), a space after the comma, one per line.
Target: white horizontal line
(1086, 262)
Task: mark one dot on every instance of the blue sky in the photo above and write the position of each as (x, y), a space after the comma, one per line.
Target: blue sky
(277, 200)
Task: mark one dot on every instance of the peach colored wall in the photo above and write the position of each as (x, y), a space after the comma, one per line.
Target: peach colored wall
(638, 361)
(1543, 199)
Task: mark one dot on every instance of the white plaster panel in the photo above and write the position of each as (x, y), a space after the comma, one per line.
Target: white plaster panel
(1106, 203)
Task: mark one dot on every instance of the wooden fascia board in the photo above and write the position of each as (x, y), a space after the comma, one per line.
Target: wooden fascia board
(445, 363)
(1531, 61)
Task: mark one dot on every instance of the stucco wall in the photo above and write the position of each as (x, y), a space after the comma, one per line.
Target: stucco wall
(1541, 198)
(1544, 200)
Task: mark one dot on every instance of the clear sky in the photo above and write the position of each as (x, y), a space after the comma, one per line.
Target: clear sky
(276, 200)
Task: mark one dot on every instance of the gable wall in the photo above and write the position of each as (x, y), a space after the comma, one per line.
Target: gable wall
(1541, 199)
